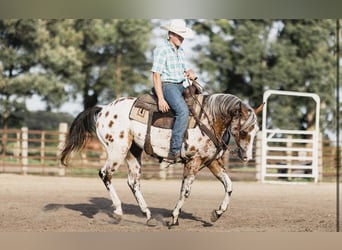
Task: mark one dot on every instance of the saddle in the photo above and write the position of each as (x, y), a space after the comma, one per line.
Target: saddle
(145, 110)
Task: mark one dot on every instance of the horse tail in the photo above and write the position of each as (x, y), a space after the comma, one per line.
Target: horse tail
(80, 129)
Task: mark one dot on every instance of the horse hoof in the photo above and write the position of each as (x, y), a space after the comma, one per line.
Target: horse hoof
(172, 224)
(152, 222)
(214, 216)
(117, 218)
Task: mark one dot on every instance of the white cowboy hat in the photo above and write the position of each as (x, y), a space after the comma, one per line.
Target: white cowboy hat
(178, 26)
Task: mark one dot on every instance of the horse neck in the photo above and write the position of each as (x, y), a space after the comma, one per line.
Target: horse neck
(219, 108)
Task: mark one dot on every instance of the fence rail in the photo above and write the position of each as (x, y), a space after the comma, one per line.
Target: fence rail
(34, 151)
(37, 152)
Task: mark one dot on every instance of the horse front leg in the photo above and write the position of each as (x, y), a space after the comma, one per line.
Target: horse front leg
(217, 168)
(188, 178)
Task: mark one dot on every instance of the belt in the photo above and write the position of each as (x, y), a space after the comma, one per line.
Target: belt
(173, 82)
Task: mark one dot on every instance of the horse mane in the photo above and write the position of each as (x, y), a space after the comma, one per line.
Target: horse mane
(224, 105)
(221, 105)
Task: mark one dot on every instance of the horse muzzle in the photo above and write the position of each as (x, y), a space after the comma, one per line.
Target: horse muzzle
(243, 155)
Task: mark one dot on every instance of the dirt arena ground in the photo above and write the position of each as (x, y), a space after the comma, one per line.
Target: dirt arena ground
(69, 204)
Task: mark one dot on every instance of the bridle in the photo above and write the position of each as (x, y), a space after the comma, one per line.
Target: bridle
(220, 142)
(237, 137)
(241, 128)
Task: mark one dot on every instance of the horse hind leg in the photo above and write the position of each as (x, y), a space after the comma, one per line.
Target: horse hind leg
(216, 167)
(133, 181)
(106, 176)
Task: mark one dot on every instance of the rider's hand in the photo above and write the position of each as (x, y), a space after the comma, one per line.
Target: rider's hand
(163, 106)
(190, 74)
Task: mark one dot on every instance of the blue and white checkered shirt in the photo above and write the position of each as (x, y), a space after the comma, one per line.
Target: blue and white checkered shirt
(169, 63)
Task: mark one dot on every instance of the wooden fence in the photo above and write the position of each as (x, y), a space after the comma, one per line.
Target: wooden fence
(37, 152)
(32, 151)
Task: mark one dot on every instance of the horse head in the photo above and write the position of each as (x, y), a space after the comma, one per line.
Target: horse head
(243, 128)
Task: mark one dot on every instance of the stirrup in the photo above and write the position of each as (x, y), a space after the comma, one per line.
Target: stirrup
(186, 156)
(171, 160)
(165, 164)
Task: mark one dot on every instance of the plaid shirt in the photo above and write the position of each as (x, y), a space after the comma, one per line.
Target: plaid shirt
(169, 63)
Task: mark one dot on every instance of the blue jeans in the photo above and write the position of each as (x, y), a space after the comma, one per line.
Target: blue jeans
(173, 96)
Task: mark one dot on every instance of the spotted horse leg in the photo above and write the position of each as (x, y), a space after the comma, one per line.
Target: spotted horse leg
(106, 176)
(134, 172)
(218, 170)
(189, 176)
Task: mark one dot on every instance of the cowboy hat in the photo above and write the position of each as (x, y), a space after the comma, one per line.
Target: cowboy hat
(178, 27)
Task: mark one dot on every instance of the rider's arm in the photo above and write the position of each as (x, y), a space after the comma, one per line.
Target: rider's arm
(162, 104)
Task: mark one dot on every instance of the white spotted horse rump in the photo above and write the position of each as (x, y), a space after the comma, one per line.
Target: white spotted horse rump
(113, 124)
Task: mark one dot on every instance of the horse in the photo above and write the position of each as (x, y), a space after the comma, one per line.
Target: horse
(223, 115)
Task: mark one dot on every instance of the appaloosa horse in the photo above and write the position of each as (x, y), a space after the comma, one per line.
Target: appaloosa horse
(123, 138)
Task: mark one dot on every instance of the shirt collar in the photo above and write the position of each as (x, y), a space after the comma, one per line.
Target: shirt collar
(172, 47)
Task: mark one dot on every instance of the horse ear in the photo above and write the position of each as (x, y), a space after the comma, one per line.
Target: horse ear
(244, 110)
(259, 109)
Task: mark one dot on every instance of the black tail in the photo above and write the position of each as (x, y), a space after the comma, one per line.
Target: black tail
(80, 129)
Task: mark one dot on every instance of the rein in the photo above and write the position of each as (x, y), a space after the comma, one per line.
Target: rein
(239, 128)
(219, 143)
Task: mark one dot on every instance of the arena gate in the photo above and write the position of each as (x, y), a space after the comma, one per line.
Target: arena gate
(287, 154)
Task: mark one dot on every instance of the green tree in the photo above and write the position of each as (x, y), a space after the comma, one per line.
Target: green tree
(29, 57)
(59, 59)
(14, 64)
(112, 55)
(235, 56)
(304, 60)
(247, 57)
(44, 120)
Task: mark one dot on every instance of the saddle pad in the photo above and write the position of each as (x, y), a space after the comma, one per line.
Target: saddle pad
(159, 120)
(148, 103)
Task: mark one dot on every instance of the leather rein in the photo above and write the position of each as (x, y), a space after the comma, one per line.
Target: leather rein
(220, 143)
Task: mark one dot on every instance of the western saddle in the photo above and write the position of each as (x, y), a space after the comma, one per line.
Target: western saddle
(145, 110)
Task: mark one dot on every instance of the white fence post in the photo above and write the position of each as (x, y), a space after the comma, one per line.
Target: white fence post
(24, 149)
(63, 129)
(296, 151)
(258, 156)
(42, 148)
(320, 157)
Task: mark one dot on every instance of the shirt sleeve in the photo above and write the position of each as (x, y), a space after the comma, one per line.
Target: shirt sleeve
(159, 59)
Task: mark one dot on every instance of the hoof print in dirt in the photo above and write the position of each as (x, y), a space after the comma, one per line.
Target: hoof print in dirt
(152, 222)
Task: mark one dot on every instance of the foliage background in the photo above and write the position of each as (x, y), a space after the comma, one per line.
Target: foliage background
(96, 60)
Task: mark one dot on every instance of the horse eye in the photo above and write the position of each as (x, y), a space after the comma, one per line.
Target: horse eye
(243, 134)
